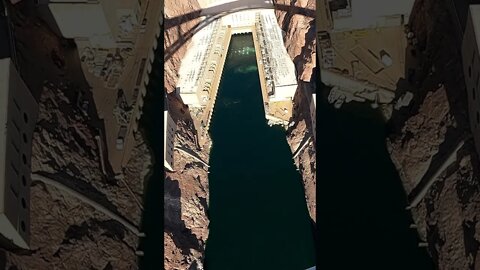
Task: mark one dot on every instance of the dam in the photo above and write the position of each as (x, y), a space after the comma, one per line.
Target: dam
(202, 67)
(257, 208)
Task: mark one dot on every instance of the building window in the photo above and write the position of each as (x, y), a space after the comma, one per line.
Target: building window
(22, 225)
(478, 118)
(24, 159)
(473, 93)
(25, 118)
(24, 204)
(24, 181)
(24, 137)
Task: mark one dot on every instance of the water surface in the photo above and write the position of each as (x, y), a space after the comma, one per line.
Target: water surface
(259, 217)
(361, 217)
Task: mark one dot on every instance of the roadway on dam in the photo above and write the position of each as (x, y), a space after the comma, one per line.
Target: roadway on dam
(258, 214)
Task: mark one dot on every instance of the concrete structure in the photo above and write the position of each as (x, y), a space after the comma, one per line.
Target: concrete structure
(471, 70)
(202, 65)
(169, 128)
(279, 69)
(313, 114)
(193, 87)
(116, 46)
(364, 43)
(18, 114)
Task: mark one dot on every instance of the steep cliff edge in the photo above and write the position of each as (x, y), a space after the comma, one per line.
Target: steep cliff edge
(298, 23)
(426, 136)
(297, 20)
(186, 189)
(177, 24)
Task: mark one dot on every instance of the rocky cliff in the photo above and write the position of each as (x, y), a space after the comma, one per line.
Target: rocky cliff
(185, 206)
(426, 142)
(297, 20)
(186, 189)
(67, 231)
(178, 23)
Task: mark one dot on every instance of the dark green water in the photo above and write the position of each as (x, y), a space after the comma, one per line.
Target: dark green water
(258, 215)
(361, 217)
(151, 124)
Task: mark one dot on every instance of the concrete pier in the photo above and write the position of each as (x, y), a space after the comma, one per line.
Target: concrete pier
(207, 113)
(202, 68)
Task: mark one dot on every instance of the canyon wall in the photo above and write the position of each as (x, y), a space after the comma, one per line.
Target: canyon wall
(297, 20)
(185, 189)
(66, 231)
(429, 132)
(178, 22)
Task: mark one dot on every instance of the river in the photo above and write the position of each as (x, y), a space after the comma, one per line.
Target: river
(258, 214)
(361, 218)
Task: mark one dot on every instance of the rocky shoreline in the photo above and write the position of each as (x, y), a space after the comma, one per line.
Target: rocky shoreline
(300, 41)
(425, 134)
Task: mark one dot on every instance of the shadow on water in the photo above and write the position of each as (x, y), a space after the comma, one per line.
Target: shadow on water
(151, 124)
(258, 214)
(362, 222)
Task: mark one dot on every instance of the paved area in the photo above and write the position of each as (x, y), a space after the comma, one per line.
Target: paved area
(358, 53)
(281, 109)
(373, 56)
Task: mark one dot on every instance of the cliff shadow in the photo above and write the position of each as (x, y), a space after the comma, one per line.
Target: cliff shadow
(182, 236)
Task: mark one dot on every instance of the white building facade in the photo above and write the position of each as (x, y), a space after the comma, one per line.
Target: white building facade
(191, 74)
(169, 128)
(18, 115)
(471, 70)
(279, 68)
(313, 115)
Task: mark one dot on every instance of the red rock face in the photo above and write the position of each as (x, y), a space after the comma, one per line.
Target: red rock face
(186, 189)
(177, 24)
(185, 206)
(66, 232)
(426, 134)
(298, 22)
(306, 159)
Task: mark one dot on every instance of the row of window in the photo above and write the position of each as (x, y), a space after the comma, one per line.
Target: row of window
(20, 176)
